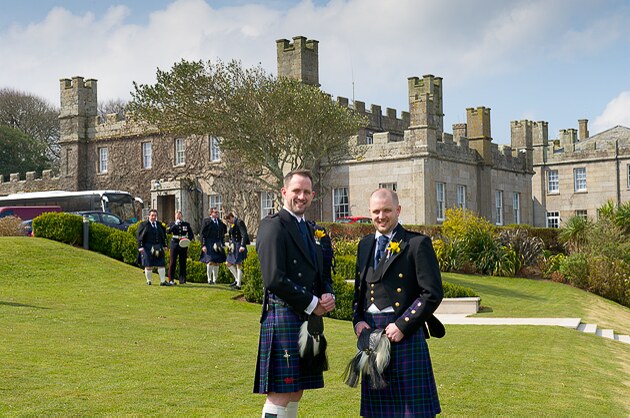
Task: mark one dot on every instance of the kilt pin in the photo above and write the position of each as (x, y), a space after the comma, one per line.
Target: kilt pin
(408, 280)
(291, 278)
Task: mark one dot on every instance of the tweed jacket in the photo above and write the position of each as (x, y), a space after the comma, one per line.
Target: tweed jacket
(287, 269)
(411, 277)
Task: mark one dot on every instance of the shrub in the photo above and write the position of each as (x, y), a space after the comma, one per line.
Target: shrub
(456, 291)
(98, 238)
(344, 293)
(122, 246)
(346, 247)
(528, 249)
(253, 287)
(59, 226)
(11, 226)
(346, 267)
(575, 269)
(550, 264)
(610, 278)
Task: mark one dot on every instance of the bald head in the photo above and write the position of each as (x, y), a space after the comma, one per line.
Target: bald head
(384, 210)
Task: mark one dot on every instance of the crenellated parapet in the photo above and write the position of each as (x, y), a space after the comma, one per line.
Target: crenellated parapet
(31, 182)
(116, 125)
(377, 120)
(299, 60)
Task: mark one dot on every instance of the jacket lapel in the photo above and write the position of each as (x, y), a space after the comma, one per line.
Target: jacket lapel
(401, 238)
(291, 225)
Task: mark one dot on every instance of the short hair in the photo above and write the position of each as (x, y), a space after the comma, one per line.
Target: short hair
(212, 209)
(229, 215)
(298, 172)
(178, 211)
(389, 192)
(153, 210)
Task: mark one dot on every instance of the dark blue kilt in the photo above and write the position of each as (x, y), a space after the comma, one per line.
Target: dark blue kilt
(236, 257)
(411, 390)
(278, 363)
(213, 256)
(148, 260)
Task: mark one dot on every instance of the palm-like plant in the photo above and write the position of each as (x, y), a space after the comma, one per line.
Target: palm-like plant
(574, 233)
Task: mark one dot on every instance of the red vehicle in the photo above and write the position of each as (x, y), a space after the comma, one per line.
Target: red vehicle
(354, 220)
(26, 213)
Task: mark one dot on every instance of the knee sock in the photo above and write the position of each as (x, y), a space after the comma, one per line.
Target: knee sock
(232, 269)
(292, 410)
(209, 272)
(270, 410)
(215, 274)
(148, 273)
(239, 275)
(162, 273)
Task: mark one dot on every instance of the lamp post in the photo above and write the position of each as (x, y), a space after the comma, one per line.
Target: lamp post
(86, 232)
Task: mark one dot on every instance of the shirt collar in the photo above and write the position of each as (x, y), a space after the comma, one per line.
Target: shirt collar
(389, 236)
(297, 217)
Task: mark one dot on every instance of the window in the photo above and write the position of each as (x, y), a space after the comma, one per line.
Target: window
(267, 207)
(180, 151)
(215, 201)
(147, 155)
(102, 160)
(516, 207)
(341, 208)
(388, 186)
(215, 153)
(579, 179)
(582, 213)
(553, 219)
(552, 181)
(498, 199)
(461, 196)
(441, 200)
(628, 176)
(369, 137)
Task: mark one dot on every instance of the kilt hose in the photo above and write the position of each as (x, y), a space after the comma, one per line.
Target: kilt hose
(411, 389)
(278, 363)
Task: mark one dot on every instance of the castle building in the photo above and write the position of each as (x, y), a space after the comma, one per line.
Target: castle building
(534, 181)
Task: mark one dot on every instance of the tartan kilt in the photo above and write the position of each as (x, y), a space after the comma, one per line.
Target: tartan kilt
(411, 389)
(212, 256)
(148, 260)
(279, 333)
(236, 257)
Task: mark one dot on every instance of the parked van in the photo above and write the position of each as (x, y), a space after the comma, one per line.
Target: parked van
(26, 213)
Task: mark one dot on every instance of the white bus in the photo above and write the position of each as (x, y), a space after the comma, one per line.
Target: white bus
(121, 204)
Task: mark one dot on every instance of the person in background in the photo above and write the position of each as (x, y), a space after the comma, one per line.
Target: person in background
(151, 237)
(293, 275)
(213, 250)
(181, 230)
(237, 248)
(397, 288)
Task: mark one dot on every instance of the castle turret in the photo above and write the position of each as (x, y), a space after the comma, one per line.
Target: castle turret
(568, 138)
(583, 129)
(76, 122)
(299, 60)
(425, 102)
(531, 138)
(478, 125)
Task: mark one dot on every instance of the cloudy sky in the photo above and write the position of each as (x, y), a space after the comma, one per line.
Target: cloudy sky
(552, 60)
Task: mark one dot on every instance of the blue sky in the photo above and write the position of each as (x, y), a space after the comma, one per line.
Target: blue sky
(551, 60)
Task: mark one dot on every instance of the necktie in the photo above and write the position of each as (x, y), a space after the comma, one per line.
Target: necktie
(153, 224)
(380, 249)
(307, 240)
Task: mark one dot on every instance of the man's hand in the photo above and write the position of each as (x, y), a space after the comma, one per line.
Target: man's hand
(141, 249)
(241, 249)
(360, 326)
(328, 301)
(204, 249)
(393, 333)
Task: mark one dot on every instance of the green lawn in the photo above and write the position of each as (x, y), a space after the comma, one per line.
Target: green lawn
(81, 334)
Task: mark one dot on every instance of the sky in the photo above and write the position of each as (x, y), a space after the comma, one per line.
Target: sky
(543, 60)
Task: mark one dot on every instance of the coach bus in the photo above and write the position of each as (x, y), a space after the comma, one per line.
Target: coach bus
(121, 204)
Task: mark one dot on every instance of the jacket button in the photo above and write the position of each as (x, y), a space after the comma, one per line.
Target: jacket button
(372, 299)
(372, 292)
(400, 275)
(294, 261)
(406, 319)
(397, 304)
(399, 290)
(299, 274)
(413, 311)
(372, 285)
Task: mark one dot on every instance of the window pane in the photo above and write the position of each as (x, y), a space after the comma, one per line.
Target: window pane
(441, 201)
(341, 207)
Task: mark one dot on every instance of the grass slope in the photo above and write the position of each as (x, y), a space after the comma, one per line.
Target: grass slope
(81, 334)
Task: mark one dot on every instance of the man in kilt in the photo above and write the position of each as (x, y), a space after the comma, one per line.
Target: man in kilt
(151, 237)
(180, 230)
(397, 288)
(213, 248)
(237, 248)
(292, 271)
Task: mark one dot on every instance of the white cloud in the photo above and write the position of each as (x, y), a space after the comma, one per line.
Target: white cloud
(617, 112)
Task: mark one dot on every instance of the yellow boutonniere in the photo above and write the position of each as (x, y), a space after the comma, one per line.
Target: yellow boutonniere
(393, 247)
(319, 234)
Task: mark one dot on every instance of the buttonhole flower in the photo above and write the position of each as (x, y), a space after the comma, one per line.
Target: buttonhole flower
(393, 248)
(319, 234)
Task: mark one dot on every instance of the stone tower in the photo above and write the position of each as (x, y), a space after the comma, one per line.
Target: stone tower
(299, 60)
(479, 137)
(425, 102)
(77, 120)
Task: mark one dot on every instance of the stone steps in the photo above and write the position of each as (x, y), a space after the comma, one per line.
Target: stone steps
(605, 333)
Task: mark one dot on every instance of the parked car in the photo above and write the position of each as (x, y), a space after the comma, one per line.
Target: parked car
(26, 213)
(105, 218)
(354, 220)
(28, 227)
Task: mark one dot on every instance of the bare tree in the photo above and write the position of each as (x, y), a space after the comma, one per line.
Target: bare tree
(112, 106)
(34, 116)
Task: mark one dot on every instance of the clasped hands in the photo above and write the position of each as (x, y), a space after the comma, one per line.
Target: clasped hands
(325, 304)
(394, 334)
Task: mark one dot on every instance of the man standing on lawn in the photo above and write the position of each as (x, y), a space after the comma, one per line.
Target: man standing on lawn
(292, 271)
(397, 288)
(151, 237)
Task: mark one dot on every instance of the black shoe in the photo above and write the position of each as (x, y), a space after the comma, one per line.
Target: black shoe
(182, 281)
(165, 284)
(149, 282)
(233, 284)
(237, 287)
